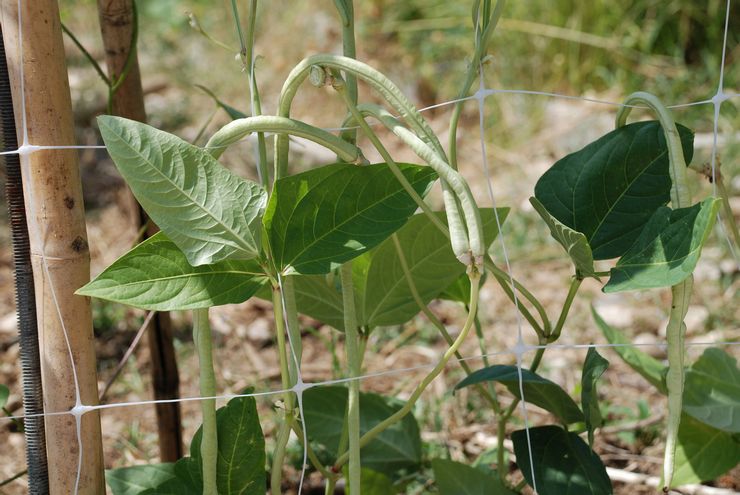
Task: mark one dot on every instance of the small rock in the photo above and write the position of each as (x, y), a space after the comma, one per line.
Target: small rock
(9, 323)
(260, 331)
(649, 344)
(615, 311)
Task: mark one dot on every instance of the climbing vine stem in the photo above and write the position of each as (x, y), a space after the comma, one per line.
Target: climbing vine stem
(209, 439)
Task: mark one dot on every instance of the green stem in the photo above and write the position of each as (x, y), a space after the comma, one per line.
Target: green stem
(283, 435)
(408, 406)
(209, 440)
(572, 291)
(438, 324)
(484, 28)
(681, 292)
(347, 13)
(14, 477)
(351, 339)
(310, 452)
(282, 126)
(247, 55)
(727, 209)
(294, 329)
(87, 55)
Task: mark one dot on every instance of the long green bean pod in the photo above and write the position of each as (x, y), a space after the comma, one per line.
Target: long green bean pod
(282, 126)
(681, 292)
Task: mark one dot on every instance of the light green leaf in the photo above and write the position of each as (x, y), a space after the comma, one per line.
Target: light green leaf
(610, 188)
(208, 212)
(372, 483)
(383, 294)
(455, 478)
(155, 275)
(537, 390)
(575, 243)
(241, 450)
(136, 480)
(712, 390)
(562, 463)
(396, 448)
(667, 249)
(703, 452)
(593, 368)
(4, 394)
(317, 220)
(650, 368)
(458, 291)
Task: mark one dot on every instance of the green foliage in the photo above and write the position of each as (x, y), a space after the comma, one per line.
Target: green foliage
(712, 391)
(317, 220)
(373, 483)
(455, 478)
(650, 368)
(208, 212)
(608, 190)
(561, 462)
(667, 249)
(156, 275)
(396, 448)
(703, 452)
(593, 368)
(537, 390)
(4, 394)
(240, 465)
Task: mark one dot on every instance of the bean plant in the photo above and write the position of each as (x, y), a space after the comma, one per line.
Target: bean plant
(344, 244)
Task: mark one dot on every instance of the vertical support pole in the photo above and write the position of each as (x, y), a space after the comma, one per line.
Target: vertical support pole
(59, 252)
(117, 28)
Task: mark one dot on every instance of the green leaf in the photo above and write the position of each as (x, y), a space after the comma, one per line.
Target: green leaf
(241, 450)
(455, 478)
(458, 291)
(562, 463)
(537, 390)
(372, 483)
(319, 219)
(208, 212)
(155, 275)
(396, 448)
(650, 368)
(136, 480)
(4, 394)
(667, 249)
(610, 188)
(703, 452)
(575, 243)
(593, 368)
(319, 299)
(712, 390)
(232, 112)
(383, 294)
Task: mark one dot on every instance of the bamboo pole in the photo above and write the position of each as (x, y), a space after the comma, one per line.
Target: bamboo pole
(117, 28)
(59, 252)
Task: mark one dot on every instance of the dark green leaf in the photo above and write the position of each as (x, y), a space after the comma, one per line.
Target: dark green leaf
(383, 294)
(136, 480)
(241, 450)
(321, 218)
(610, 188)
(712, 390)
(562, 463)
(458, 291)
(208, 212)
(156, 275)
(537, 390)
(454, 478)
(372, 483)
(4, 394)
(703, 452)
(396, 448)
(320, 299)
(575, 243)
(593, 368)
(667, 249)
(650, 368)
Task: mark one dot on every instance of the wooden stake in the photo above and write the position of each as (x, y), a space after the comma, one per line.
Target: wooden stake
(59, 252)
(116, 25)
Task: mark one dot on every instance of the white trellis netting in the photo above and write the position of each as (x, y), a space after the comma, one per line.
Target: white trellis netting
(517, 350)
